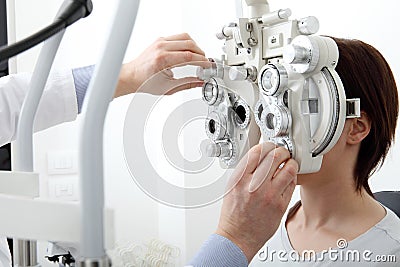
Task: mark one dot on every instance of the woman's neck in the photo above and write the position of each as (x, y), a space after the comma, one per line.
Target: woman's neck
(332, 198)
(334, 203)
(331, 207)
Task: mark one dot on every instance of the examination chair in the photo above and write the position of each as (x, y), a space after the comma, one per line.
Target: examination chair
(390, 199)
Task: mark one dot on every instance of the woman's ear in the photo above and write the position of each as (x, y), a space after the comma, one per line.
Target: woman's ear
(359, 129)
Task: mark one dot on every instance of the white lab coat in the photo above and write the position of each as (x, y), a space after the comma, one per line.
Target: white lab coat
(5, 256)
(58, 105)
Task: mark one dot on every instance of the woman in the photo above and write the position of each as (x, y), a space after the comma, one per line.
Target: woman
(338, 222)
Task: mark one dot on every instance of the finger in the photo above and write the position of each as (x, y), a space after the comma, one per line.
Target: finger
(268, 167)
(288, 193)
(178, 37)
(184, 84)
(182, 58)
(278, 170)
(286, 175)
(249, 163)
(256, 155)
(246, 166)
(182, 45)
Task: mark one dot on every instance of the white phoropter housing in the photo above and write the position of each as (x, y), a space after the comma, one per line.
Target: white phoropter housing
(230, 124)
(284, 78)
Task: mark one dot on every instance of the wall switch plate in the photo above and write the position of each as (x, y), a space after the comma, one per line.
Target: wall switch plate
(62, 162)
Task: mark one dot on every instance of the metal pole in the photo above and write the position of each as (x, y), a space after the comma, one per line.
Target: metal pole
(25, 252)
(239, 8)
(100, 93)
(257, 8)
(24, 141)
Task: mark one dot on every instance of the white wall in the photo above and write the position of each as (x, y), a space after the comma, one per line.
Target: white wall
(139, 218)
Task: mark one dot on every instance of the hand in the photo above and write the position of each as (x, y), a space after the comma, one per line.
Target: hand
(155, 63)
(261, 191)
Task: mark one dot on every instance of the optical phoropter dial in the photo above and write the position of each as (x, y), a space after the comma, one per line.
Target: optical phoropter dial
(273, 118)
(212, 94)
(273, 79)
(286, 143)
(242, 114)
(216, 126)
(222, 149)
(229, 117)
(276, 119)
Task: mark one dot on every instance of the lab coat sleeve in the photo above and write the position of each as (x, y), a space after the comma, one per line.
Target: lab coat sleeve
(219, 251)
(58, 104)
(5, 255)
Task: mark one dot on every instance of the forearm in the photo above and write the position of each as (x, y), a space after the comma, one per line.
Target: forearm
(219, 251)
(82, 77)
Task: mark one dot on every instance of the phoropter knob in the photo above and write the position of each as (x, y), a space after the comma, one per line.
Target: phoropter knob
(294, 54)
(221, 149)
(308, 25)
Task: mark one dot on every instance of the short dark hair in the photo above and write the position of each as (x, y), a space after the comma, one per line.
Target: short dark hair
(366, 75)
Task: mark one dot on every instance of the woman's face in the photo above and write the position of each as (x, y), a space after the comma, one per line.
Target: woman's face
(331, 161)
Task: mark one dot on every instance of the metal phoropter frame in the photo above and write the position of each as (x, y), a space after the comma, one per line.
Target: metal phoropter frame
(286, 76)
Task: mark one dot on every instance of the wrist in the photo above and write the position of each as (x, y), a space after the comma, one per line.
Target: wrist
(248, 250)
(127, 83)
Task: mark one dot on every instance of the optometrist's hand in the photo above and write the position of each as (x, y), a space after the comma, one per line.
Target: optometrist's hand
(150, 72)
(261, 191)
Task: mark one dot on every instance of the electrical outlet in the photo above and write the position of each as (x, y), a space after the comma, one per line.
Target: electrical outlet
(65, 188)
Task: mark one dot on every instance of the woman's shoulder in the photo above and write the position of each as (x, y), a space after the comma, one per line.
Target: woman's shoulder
(381, 239)
(389, 226)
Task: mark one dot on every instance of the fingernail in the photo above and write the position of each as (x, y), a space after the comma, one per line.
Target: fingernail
(253, 187)
(257, 179)
(255, 184)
